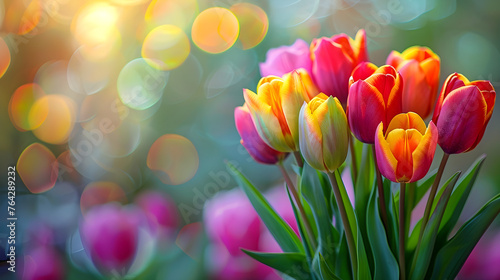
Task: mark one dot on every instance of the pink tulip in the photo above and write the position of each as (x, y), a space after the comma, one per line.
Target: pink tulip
(284, 59)
(160, 211)
(333, 60)
(41, 263)
(110, 236)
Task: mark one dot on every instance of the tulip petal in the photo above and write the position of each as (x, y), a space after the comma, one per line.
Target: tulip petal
(335, 135)
(394, 59)
(250, 139)
(417, 92)
(365, 111)
(461, 119)
(386, 161)
(359, 46)
(424, 153)
(363, 71)
(331, 68)
(267, 124)
(310, 138)
(489, 96)
(407, 121)
(400, 148)
(282, 60)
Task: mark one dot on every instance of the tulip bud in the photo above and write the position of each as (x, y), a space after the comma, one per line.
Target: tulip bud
(161, 213)
(250, 139)
(419, 67)
(275, 108)
(405, 152)
(323, 133)
(374, 96)
(110, 237)
(462, 113)
(284, 59)
(333, 60)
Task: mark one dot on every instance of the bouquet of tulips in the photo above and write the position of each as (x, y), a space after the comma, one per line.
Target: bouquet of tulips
(321, 101)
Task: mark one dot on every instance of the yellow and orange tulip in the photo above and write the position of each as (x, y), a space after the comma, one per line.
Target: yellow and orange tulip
(276, 105)
(419, 67)
(405, 152)
(323, 133)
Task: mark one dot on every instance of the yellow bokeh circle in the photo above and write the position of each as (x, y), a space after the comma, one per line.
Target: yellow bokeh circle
(166, 47)
(215, 30)
(253, 24)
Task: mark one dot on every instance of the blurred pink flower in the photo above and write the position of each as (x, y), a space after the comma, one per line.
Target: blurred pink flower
(232, 224)
(284, 59)
(161, 213)
(483, 262)
(110, 235)
(42, 263)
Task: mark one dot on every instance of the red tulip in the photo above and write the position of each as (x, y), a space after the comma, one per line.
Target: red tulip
(374, 96)
(419, 67)
(333, 60)
(462, 113)
(250, 139)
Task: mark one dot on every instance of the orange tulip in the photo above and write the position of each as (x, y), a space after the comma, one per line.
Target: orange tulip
(405, 152)
(419, 67)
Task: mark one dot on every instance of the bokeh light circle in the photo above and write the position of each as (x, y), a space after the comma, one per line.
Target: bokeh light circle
(4, 57)
(22, 17)
(166, 47)
(215, 30)
(140, 86)
(101, 192)
(253, 24)
(173, 158)
(58, 115)
(38, 168)
(20, 104)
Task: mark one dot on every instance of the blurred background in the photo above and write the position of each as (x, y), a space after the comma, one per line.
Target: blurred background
(130, 103)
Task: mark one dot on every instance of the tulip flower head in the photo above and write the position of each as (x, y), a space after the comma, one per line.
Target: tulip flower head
(110, 237)
(405, 152)
(275, 108)
(333, 60)
(250, 139)
(462, 113)
(419, 67)
(323, 132)
(284, 59)
(375, 95)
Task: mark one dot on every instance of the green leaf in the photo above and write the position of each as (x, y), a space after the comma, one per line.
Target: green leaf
(423, 253)
(326, 273)
(458, 199)
(307, 246)
(312, 192)
(386, 266)
(363, 268)
(452, 256)
(291, 264)
(392, 216)
(281, 231)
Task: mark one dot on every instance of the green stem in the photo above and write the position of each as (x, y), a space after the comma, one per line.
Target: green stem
(402, 235)
(296, 197)
(298, 159)
(354, 161)
(345, 222)
(381, 197)
(432, 194)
